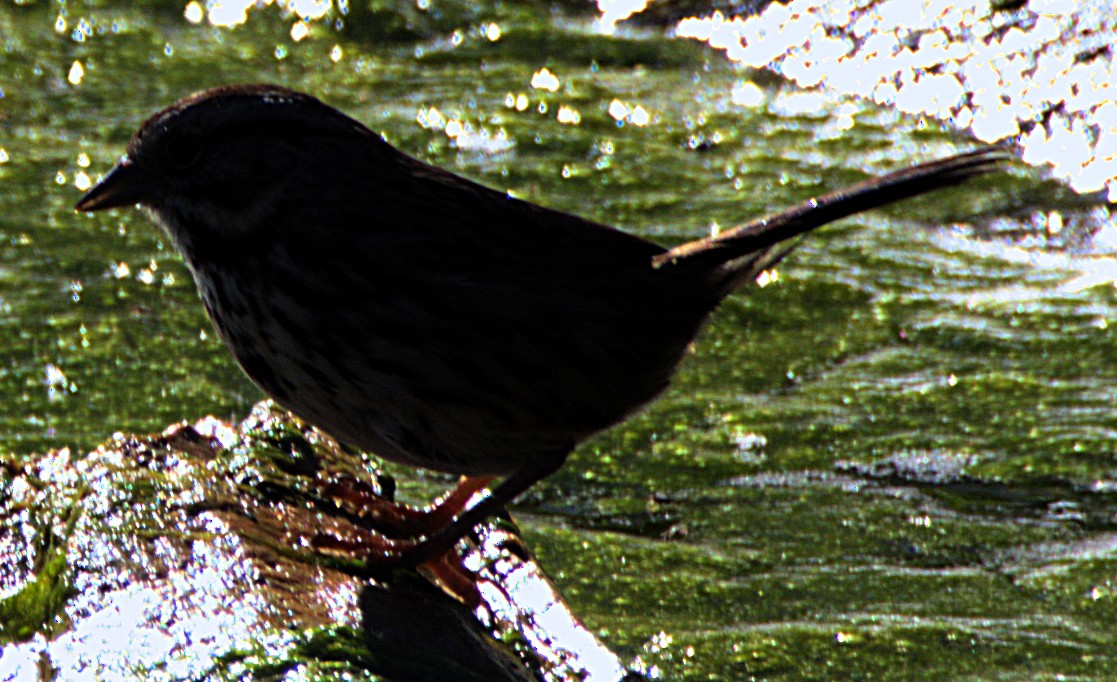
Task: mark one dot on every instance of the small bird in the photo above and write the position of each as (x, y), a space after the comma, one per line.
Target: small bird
(418, 315)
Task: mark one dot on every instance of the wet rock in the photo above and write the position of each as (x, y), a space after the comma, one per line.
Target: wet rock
(191, 555)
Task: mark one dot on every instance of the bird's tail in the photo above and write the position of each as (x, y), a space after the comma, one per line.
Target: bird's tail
(739, 255)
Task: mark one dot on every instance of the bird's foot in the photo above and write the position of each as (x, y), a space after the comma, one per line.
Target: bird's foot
(424, 537)
(389, 534)
(445, 568)
(400, 521)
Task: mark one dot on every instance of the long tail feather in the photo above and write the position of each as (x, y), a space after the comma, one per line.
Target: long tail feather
(739, 254)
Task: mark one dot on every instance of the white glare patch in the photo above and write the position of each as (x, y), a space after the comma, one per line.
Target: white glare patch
(747, 95)
(57, 384)
(1094, 272)
(228, 13)
(569, 115)
(194, 13)
(793, 104)
(466, 137)
(121, 270)
(77, 72)
(992, 73)
(543, 79)
(310, 9)
(431, 119)
(550, 623)
(1054, 221)
(82, 181)
(299, 31)
(492, 32)
(767, 277)
(614, 11)
(211, 427)
(335, 54)
(618, 110)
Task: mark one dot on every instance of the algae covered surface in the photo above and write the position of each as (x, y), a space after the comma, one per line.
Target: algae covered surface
(895, 460)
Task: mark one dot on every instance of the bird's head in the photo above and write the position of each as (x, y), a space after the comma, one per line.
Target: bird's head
(222, 161)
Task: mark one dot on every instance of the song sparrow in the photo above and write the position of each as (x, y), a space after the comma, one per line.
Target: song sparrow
(418, 315)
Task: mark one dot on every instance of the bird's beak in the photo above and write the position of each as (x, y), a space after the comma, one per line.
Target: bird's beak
(125, 185)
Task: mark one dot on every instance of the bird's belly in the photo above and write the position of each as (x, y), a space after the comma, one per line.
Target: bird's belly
(350, 393)
(474, 395)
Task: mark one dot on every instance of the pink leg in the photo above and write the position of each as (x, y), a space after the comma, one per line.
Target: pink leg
(433, 532)
(400, 521)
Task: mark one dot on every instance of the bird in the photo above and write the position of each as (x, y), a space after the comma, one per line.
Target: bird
(419, 315)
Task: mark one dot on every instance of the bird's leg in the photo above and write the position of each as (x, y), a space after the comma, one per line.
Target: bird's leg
(508, 490)
(382, 551)
(401, 521)
(448, 571)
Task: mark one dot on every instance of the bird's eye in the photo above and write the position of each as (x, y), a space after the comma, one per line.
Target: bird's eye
(184, 151)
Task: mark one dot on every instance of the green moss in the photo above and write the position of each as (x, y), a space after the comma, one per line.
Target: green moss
(38, 606)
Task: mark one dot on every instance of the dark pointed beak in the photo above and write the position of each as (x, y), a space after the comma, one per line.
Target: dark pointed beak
(125, 185)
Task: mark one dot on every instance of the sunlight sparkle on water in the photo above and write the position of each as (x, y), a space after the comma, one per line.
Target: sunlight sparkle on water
(518, 102)
(995, 73)
(747, 94)
(194, 13)
(569, 115)
(77, 72)
(229, 13)
(543, 79)
(613, 11)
